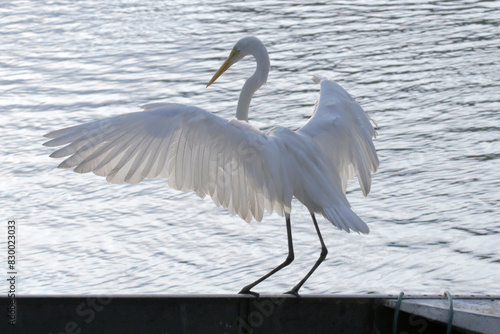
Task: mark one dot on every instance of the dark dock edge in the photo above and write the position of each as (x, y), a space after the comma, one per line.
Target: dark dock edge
(173, 314)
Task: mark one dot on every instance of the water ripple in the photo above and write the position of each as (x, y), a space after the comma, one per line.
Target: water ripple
(427, 72)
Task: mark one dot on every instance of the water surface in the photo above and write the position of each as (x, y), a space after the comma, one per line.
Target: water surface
(428, 73)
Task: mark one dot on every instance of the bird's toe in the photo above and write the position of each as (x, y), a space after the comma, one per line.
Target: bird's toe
(293, 292)
(246, 291)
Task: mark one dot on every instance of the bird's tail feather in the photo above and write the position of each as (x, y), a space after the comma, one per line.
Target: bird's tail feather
(345, 219)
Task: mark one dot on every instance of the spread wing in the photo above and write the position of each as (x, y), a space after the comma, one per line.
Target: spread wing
(194, 149)
(344, 132)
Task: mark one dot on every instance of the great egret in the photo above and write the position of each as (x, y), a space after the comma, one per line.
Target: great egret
(242, 168)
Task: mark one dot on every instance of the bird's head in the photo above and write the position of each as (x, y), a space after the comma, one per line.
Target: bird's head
(244, 47)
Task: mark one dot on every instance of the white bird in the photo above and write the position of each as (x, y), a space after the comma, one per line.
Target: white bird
(243, 169)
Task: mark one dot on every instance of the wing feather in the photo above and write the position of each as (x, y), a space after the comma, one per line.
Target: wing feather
(149, 170)
(178, 159)
(344, 132)
(197, 157)
(194, 149)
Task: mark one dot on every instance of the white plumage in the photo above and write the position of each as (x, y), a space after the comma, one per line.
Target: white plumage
(240, 167)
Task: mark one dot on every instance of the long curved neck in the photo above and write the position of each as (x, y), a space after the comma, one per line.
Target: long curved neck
(254, 82)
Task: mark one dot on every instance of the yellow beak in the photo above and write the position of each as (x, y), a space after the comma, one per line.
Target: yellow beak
(227, 64)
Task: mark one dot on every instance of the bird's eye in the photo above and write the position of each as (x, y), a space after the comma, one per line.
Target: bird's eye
(234, 52)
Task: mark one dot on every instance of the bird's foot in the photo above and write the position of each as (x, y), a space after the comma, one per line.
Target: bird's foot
(246, 290)
(293, 292)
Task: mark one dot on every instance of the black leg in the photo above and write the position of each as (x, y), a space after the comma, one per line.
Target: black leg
(324, 252)
(288, 260)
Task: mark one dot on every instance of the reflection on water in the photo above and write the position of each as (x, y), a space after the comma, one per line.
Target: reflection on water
(427, 72)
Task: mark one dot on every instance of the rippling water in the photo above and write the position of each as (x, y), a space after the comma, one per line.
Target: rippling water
(428, 73)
